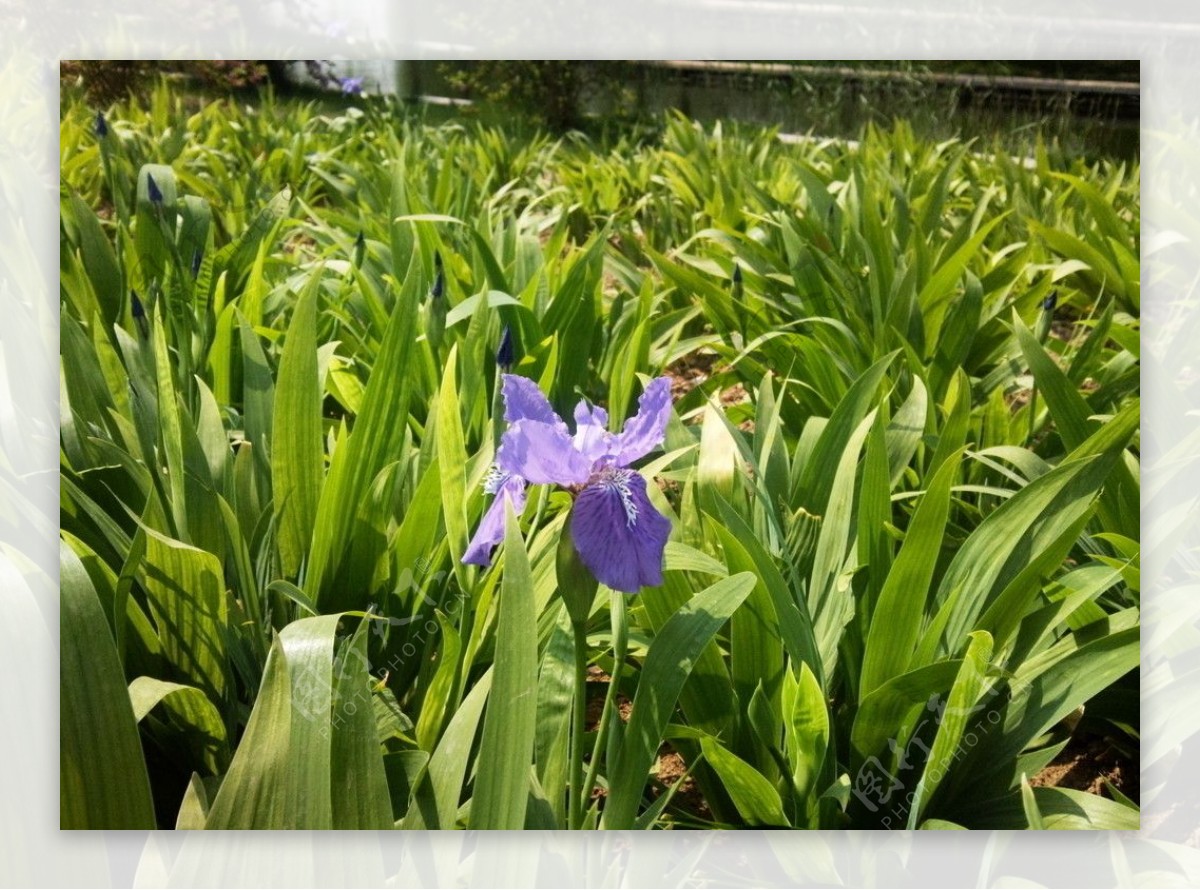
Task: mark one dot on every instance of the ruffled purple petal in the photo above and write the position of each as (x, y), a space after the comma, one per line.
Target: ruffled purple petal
(646, 430)
(543, 453)
(524, 401)
(592, 437)
(491, 527)
(618, 533)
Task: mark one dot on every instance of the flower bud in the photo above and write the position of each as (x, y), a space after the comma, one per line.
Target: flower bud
(505, 352)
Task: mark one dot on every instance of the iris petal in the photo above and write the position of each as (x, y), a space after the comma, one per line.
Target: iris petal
(618, 533)
(491, 527)
(646, 430)
(592, 437)
(543, 453)
(524, 401)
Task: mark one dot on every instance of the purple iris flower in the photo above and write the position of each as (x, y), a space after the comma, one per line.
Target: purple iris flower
(617, 532)
(351, 86)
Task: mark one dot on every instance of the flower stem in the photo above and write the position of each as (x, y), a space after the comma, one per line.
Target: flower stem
(577, 801)
(619, 637)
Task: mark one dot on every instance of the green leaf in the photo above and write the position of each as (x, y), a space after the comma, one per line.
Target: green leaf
(435, 800)
(1024, 525)
(258, 402)
(830, 600)
(883, 711)
(281, 774)
(374, 443)
(755, 798)
(1033, 815)
(968, 688)
(952, 267)
(96, 251)
(297, 448)
(360, 798)
(807, 731)
(896, 623)
(437, 697)
(170, 433)
(452, 461)
(1119, 502)
(185, 593)
(668, 663)
(191, 711)
(816, 479)
(102, 775)
(262, 787)
(1060, 809)
(506, 750)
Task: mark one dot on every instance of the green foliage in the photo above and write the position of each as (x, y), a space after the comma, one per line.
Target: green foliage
(552, 93)
(904, 493)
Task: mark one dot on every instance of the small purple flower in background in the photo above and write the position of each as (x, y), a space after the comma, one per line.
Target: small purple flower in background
(152, 189)
(617, 532)
(351, 86)
(101, 125)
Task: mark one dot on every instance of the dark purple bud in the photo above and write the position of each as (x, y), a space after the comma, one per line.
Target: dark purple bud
(439, 278)
(197, 256)
(737, 274)
(1050, 302)
(139, 313)
(101, 125)
(156, 196)
(505, 352)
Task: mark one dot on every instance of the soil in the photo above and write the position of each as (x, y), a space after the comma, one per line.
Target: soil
(1064, 329)
(669, 767)
(1086, 763)
(597, 690)
(689, 372)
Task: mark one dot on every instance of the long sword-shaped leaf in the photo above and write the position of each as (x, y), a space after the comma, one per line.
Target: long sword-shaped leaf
(358, 782)
(896, 623)
(102, 775)
(185, 591)
(297, 453)
(506, 750)
(964, 695)
(668, 663)
(376, 439)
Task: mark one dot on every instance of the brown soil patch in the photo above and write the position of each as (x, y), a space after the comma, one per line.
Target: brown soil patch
(689, 372)
(1086, 763)
(670, 769)
(597, 690)
(1063, 330)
